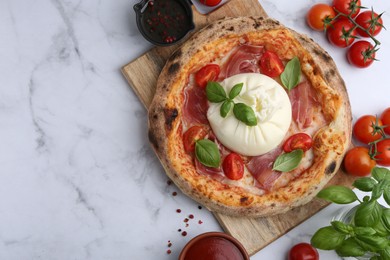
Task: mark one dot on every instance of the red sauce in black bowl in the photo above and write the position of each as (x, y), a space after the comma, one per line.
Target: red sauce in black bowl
(164, 22)
(214, 246)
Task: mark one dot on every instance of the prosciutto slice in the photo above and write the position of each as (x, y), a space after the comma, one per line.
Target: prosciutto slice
(244, 59)
(261, 168)
(195, 106)
(302, 101)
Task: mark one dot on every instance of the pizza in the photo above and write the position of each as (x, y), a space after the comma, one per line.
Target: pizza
(250, 118)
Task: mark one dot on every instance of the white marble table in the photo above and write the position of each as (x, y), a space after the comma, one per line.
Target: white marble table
(78, 177)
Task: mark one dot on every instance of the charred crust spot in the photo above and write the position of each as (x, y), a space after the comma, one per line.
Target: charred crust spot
(243, 200)
(170, 116)
(155, 116)
(164, 87)
(231, 28)
(173, 68)
(331, 168)
(273, 205)
(153, 140)
(177, 54)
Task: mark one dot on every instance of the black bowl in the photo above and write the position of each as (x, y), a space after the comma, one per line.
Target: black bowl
(164, 22)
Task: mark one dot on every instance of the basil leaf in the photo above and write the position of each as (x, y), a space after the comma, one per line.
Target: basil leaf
(327, 238)
(368, 214)
(386, 219)
(235, 91)
(207, 153)
(215, 92)
(342, 227)
(380, 173)
(292, 74)
(386, 196)
(350, 248)
(380, 228)
(373, 243)
(377, 191)
(364, 184)
(338, 195)
(364, 231)
(225, 108)
(385, 253)
(245, 114)
(288, 161)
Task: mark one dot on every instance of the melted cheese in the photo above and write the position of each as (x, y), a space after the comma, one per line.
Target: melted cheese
(272, 108)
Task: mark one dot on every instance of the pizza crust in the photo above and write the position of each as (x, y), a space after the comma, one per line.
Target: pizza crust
(165, 127)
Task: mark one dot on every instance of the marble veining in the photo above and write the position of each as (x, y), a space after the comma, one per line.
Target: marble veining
(79, 179)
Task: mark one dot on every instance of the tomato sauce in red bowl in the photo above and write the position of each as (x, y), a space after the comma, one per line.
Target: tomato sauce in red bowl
(214, 246)
(164, 22)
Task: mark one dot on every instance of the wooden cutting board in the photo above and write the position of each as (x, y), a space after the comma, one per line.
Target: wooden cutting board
(253, 233)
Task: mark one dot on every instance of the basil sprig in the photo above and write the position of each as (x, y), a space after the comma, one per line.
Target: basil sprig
(288, 161)
(207, 153)
(291, 75)
(369, 231)
(216, 94)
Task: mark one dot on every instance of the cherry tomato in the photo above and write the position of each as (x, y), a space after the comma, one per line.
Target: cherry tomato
(358, 162)
(271, 65)
(383, 152)
(192, 135)
(371, 21)
(363, 129)
(208, 73)
(210, 2)
(385, 118)
(317, 14)
(233, 166)
(347, 6)
(341, 33)
(298, 141)
(361, 54)
(303, 251)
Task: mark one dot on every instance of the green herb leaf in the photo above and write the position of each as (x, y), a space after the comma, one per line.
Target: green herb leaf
(386, 196)
(292, 74)
(368, 214)
(380, 228)
(364, 184)
(342, 227)
(327, 238)
(385, 253)
(288, 161)
(338, 195)
(215, 92)
(245, 114)
(364, 231)
(378, 189)
(207, 153)
(380, 173)
(235, 91)
(386, 219)
(225, 108)
(350, 248)
(372, 243)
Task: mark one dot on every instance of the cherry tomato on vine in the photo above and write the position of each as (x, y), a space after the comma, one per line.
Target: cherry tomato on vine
(341, 33)
(207, 73)
(347, 6)
(210, 2)
(233, 166)
(357, 161)
(383, 152)
(303, 251)
(385, 118)
(370, 21)
(192, 135)
(271, 65)
(361, 54)
(363, 129)
(319, 15)
(298, 141)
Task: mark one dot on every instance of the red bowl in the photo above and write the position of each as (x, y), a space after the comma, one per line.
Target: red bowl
(212, 245)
